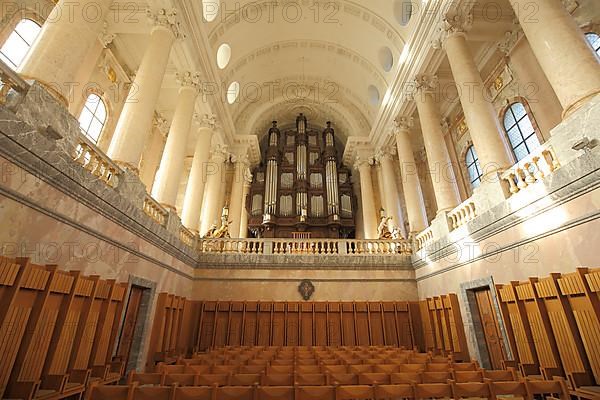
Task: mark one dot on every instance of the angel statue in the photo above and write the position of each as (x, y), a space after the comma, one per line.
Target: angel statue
(383, 230)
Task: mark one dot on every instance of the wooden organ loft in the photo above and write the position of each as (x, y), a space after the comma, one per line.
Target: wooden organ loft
(301, 189)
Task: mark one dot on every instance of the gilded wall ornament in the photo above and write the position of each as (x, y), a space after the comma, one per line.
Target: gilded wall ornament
(306, 289)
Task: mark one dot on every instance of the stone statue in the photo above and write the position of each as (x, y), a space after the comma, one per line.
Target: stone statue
(383, 231)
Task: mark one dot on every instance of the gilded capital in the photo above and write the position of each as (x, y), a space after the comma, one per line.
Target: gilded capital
(458, 23)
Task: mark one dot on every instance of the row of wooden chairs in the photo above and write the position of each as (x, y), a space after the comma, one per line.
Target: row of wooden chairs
(526, 389)
(318, 369)
(57, 330)
(191, 379)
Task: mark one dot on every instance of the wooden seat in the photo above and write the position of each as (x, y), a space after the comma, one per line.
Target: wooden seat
(234, 393)
(556, 387)
(373, 379)
(251, 369)
(433, 391)
(435, 377)
(342, 379)
(277, 380)
(307, 362)
(280, 369)
(471, 390)
(398, 391)
(468, 376)
(465, 366)
(192, 393)
(315, 393)
(360, 368)
(224, 369)
(283, 361)
(196, 369)
(244, 379)
(308, 369)
(508, 388)
(406, 378)
(438, 368)
(275, 393)
(355, 392)
(311, 379)
(335, 369)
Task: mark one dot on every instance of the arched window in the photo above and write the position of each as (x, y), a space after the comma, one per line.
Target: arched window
(473, 167)
(93, 117)
(520, 130)
(594, 40)
(19, 42)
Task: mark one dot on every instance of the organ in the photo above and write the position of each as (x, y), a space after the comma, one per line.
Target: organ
(301, 189)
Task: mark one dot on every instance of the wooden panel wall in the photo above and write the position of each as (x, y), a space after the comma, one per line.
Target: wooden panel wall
(442, 326)
(309, 323)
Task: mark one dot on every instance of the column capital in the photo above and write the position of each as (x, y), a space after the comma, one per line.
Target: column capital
(509, 40)
(166, 19)
(219, 153)
(362, 162)
(188, 79)
(206, 120)
(454, 24)
(161, 123)
(426, 83)
(385, 153)
(403, 124)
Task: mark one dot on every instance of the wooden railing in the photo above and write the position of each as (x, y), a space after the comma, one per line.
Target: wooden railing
(533, 168)
(462, 214)
(155, 211)
(98, 163)
(305, 246)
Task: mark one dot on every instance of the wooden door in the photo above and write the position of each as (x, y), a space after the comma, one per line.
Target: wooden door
(491, 329)
(131, 317)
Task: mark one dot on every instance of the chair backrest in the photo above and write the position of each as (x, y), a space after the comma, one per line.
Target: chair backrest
(411, 368)
(406, 378)
(438, 367)
(252, 369)
(145, 378)
(307, 361)
(557, 387)
(234, 393)
(171, 369)
(500, 375)
(179, 379)
(386, 368)
(280, 369)
(399, 391)
(354, 392)
(224, 369)
(342, 379)
(315, 393)
(433, 391)
(335, 369)
(436, 377)
(196, 369)
(508, 388)
(465, 366)
(471, 389)
(308, 369)
(212, 380)
(360, 368)
(277, 380)
(152, 393)
(468, 376)
(110, 392)
(311, 379)
(192, 393)
(275, 393)
(244, 379)
(373, 378)
(283, 361)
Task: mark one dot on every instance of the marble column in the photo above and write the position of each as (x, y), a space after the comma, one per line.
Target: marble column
(215, 185)
(438, 159)
(236, 202)
(370, 220)
(560, 47)
(413, 195)
(391, 200)
(135, 120)
(479, 112)
(245, 193)
(194, 190)
(171, 164)
(66, 37)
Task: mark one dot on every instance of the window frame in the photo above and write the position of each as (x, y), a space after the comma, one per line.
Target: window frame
(517, 123)
(473, 182)
(596, 50)
(11, 29)
(94, 117)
